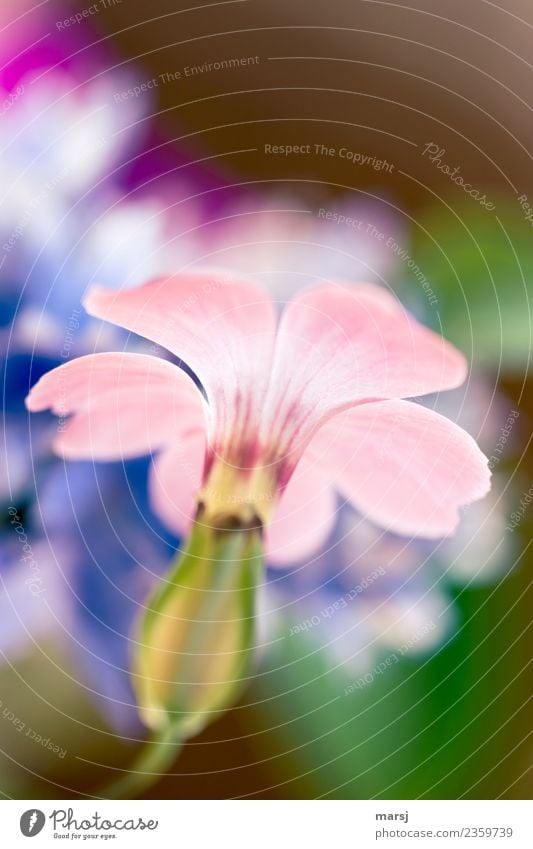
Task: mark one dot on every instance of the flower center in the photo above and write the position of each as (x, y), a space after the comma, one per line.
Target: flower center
(236, 497)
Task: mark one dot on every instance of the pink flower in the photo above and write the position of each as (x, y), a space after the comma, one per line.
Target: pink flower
(294, 409)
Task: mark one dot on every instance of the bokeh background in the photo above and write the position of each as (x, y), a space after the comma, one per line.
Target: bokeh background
(138, 138)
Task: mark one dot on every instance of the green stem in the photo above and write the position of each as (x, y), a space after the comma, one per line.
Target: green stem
(151, 764)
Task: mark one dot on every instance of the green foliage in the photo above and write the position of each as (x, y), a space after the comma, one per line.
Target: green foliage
(451, 725)
(480, 266)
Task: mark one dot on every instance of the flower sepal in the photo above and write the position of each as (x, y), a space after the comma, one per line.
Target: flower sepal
(196, 636)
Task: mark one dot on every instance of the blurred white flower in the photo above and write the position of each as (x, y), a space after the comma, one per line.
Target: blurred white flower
(63, 133)
(287, 243)
(136, 240)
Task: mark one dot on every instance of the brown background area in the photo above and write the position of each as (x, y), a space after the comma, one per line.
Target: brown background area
(391, 78)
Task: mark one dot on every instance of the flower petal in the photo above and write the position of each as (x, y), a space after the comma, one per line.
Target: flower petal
(121, 405)
(303, 518)
(338, 346)
(174, 481)
(406, 467)
(222, 326)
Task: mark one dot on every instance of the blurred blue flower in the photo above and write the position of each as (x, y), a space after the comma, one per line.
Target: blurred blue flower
(75, 557)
